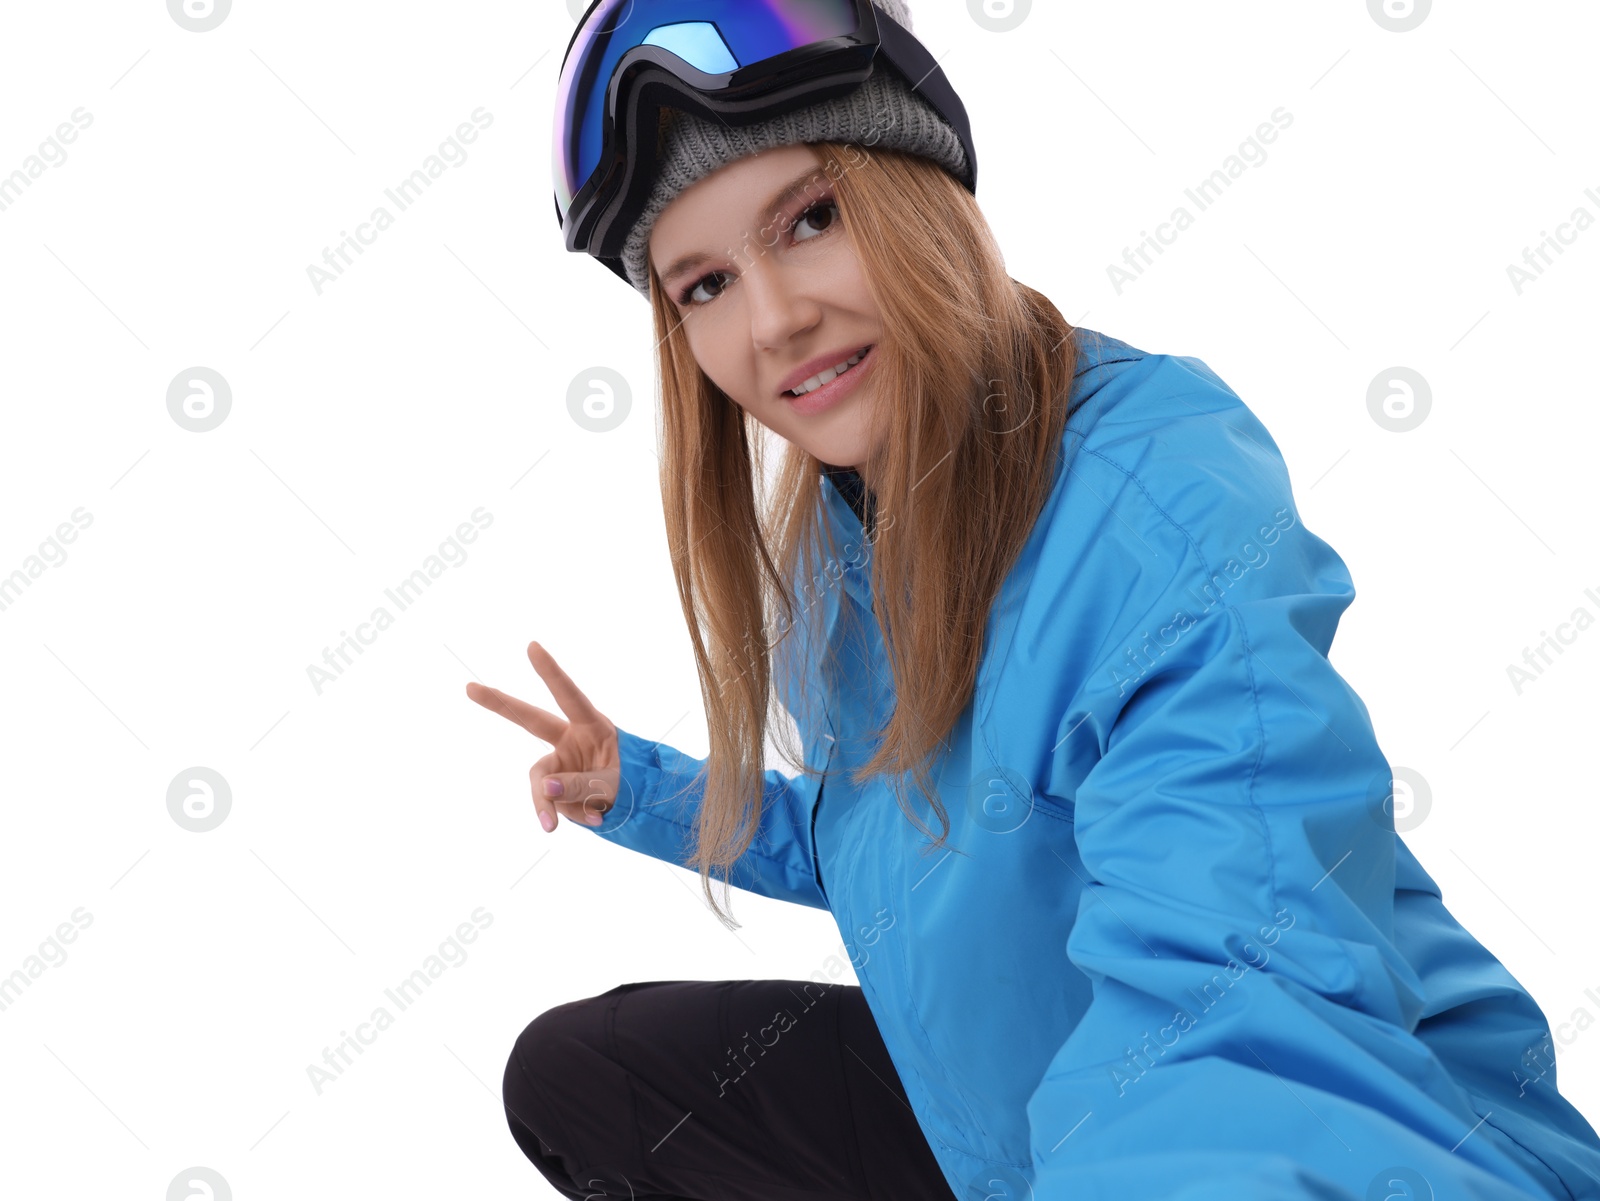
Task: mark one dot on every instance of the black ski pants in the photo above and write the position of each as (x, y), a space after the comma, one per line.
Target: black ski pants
(733, 1090)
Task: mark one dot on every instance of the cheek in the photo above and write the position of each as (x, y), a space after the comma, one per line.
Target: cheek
(722, 351)
(706, 356)
(846, 279)
(723, 374)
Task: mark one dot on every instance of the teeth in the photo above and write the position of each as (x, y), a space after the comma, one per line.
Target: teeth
(828, 376)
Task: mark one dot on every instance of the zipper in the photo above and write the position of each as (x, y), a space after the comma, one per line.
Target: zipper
(816, 806)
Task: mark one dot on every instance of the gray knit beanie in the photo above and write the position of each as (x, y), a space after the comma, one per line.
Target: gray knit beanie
(883, 112)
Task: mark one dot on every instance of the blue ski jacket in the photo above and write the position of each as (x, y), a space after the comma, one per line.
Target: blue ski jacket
(1173, 947)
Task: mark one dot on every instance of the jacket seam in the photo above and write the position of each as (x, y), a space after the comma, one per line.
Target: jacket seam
(1004, 1163)
(956, 1090)
(1047, 808)
(1244, 630)
(1261, 819)
(1518, 1142)
(1250, 677)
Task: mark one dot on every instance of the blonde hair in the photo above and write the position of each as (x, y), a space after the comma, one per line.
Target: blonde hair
(971, 386)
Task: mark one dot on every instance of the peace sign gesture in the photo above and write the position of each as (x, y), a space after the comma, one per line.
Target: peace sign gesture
(583, 766)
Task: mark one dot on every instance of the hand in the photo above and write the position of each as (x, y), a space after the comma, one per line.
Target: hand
(584, 760)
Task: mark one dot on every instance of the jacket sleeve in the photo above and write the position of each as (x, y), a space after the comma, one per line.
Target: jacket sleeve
(1250, 1032)
(658, 803)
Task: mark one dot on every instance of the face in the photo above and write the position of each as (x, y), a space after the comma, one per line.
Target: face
(759, 268)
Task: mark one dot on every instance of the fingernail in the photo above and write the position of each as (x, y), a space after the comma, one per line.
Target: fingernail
(547, 821)
(594, 819)
(554, 787)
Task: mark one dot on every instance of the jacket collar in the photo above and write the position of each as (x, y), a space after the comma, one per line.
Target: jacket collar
(854, 547)
(852, 544)
(1095, 350)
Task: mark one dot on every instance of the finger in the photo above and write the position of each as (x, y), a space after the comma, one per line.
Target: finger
(568, 695)
(543, 804)
(541, 723)
(580, 795)
(585, 796)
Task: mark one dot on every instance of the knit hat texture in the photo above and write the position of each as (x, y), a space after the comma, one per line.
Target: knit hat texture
(883, 112)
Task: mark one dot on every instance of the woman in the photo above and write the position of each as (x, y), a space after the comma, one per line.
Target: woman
(1166, 941)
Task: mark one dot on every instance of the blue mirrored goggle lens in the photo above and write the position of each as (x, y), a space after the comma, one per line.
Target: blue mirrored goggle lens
(713, 36)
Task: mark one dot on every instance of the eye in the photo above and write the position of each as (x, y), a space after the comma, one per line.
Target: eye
(688, 294)
(822, 206)
(828, 209)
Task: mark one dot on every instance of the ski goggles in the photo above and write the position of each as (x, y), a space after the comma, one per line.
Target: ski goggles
(737, 61)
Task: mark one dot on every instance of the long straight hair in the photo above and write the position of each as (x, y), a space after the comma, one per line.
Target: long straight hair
(970, 388)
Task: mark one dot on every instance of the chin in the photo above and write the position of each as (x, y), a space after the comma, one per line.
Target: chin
(837, 453)
(844, 447)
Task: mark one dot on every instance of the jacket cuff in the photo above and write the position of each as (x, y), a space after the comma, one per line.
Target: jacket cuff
(638, 784)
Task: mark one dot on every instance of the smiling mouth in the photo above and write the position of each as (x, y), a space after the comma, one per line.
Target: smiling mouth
(828, 376)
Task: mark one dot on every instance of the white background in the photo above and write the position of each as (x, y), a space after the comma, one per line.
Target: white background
(368, 421)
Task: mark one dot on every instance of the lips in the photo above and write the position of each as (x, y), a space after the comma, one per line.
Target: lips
(816, 366)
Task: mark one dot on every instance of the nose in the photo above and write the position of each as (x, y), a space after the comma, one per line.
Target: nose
(780, 305)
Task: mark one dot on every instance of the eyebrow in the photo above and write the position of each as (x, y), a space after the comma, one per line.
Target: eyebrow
(787, 193)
